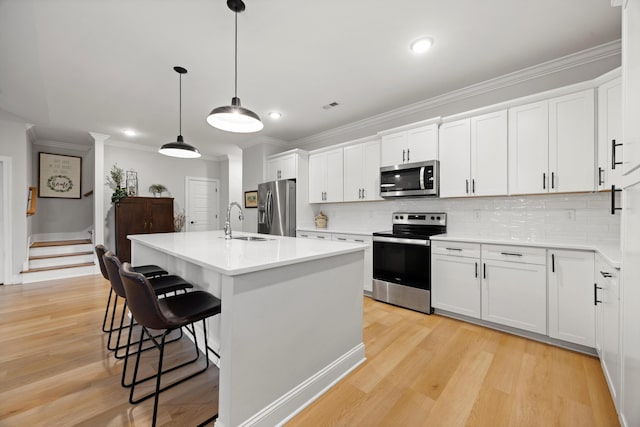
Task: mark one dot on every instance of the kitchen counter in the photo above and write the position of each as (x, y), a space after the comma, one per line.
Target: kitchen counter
(336, 231)
(609, 250)
(291, 321)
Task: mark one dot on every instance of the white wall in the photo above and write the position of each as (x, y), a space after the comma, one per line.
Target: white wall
(154, 168)
(580, 218)
(64, 216)
(14, 144)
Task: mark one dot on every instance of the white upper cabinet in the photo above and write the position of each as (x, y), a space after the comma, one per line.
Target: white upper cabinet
(362, 172)
(609, 134)
(455, 158)
(529, 148)
(416, 144)
(572, 142)
(489, 154)
(326, 176)
(282, 167)
(473, 156)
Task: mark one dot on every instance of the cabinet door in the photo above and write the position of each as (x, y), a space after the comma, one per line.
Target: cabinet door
(288, 169)
(571, 296)
(422, 144)
(160, 215)
(455, 155)
(393, 149)
(317, 177)
(371, 172)
(631, 107)
(572, 142)
(273, 169)
(334, 178)
(455, 284)
(489, 154)
(515, 294)
(608, 325)
(131, 218)
(353, 172)
(609, 133)
(367, 278)
(529, 148)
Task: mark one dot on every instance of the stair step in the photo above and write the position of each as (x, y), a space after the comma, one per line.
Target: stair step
(59, 267)
(33, 258)
(60, 243)
(64, 250)
(41, 274)
(60, 260)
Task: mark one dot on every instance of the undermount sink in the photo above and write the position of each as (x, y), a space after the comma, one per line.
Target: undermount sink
(251, 238)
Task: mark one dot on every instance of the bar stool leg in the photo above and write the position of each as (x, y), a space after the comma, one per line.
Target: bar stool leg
(106, 311)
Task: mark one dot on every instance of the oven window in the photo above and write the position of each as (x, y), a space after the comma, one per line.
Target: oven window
(404, 264)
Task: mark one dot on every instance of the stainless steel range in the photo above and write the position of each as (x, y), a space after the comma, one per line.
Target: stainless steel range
(402, 260)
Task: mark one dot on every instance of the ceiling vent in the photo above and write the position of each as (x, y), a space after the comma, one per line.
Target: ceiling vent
(330, 106)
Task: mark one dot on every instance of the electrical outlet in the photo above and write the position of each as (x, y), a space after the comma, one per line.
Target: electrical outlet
(477, 214)
(571, 214)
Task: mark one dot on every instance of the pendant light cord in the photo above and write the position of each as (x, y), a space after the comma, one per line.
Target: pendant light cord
(180, 97)
(236, 59)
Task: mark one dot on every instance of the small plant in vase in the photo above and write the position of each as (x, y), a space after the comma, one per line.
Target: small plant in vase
(157, 189)
(114, 181)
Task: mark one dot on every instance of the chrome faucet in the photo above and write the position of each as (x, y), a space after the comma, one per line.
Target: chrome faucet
(227, 223)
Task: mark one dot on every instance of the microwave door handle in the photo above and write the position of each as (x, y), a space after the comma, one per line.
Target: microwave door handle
(422, 187)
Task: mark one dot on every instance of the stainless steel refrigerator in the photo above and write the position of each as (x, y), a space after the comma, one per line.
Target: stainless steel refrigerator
(277, 207)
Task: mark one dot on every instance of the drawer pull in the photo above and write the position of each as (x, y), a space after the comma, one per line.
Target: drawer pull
(360, 240)
(340, 238)
(510, 253)
(605, 274)
(595, 294)
(476, 270)
(321, 237)
(454, 249)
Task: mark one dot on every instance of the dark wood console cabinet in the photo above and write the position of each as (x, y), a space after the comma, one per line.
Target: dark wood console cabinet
(141, 215)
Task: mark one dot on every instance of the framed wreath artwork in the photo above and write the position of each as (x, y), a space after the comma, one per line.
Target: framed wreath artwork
(59, 176)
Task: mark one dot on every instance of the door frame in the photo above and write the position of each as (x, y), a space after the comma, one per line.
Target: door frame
(187, 180)
(7, 239)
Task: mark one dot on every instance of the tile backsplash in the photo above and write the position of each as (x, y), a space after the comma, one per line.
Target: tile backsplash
(568, 217)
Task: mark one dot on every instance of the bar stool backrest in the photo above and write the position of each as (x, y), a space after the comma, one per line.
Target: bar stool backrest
(112, 264)
(100, 251)
(142, 299)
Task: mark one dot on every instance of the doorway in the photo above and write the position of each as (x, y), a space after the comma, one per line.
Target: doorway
(5, 219)
(202, 201)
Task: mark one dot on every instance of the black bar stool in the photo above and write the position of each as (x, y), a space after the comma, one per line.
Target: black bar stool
(147, 270)
(169, 313)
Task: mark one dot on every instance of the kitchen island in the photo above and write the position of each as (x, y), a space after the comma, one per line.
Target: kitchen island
(291, 321)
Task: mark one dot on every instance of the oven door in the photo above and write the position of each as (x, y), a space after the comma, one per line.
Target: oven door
(403, 261)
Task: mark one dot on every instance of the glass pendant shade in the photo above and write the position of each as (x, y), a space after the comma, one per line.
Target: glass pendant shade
(179, 149)
(235, 118)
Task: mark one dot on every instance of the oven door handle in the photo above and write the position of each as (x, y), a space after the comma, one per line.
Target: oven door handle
(417, 242)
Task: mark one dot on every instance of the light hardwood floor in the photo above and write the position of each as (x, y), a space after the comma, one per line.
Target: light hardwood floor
(420, 370)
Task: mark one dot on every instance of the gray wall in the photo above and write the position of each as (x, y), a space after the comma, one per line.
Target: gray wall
(253, 174)
(154, 168)
(63, 215)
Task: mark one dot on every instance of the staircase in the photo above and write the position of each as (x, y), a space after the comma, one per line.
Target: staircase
(59, 259)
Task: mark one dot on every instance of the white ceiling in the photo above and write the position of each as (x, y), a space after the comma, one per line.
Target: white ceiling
(104, 66)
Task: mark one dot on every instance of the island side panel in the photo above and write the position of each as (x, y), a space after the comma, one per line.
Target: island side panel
(287, 333)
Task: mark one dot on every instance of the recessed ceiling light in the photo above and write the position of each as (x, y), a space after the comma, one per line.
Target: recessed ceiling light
(421, 45)
(130, 132)
(275, 115)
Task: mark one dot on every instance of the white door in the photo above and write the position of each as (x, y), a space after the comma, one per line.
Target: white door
(371, 177)
(572, 142)
(529, 148)
(393, 149)
(353, 172)
(489, 154)
(455, 158)
(609, 134)
(422, 144)
(455, 284)
(317, 177)
(202, 204)
(334, 178)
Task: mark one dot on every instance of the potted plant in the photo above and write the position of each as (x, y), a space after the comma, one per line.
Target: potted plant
(114, 181)
(157, 189)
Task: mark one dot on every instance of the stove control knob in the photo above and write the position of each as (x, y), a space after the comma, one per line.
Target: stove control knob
(396, 216)
(433, 217)
(438, 218)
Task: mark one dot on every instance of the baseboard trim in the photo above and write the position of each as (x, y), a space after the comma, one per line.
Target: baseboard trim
(290, 404)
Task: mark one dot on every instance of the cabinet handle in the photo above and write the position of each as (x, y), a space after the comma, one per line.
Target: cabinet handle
(544, 181)
(408, 155)
(600, 180)
(363, 196)
(340, 238)
(613, 154)
(553, 180)
(484, 270)
(403, 152)
(510, 253)
(321, 237)
(359, 240)
(150, 226)
(613, 200)
(553, 263)
(145, 225)
(466, 186)
(476, 270)
(605, 274)
(595, 294)
(473, 186)
(454, 249)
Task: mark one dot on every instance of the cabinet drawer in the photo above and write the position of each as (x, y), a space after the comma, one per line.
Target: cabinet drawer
(313, 235)
(356, 238)
(456, 248)
(521, 254)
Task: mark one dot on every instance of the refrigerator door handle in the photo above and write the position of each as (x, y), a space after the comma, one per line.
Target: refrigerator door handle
(270, 208)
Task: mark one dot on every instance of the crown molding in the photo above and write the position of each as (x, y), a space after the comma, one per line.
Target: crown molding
(63, 145)
(265, 140)
(573, 60)
(150, 149)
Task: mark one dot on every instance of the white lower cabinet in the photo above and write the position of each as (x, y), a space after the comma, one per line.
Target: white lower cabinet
(607, 299)
(455, 277)
(514, 289)
(571, 296)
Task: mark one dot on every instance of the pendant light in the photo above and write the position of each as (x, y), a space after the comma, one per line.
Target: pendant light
(234, 117)
(180, 148)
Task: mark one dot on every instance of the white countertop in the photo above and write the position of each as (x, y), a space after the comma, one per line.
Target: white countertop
(335, 230)
(609, 250)
(209, 249)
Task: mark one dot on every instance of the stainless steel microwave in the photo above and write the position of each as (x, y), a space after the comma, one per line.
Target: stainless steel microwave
(410, 180)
